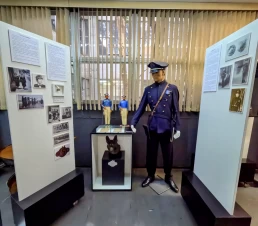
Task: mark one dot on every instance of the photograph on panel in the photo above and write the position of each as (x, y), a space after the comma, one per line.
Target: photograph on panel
(241, 72)
(30, 101)
(53, 113)
(39, 81)
(66, 112)
(62, 151)
(238, 48)
(19, 80)
(61, 127)
(57, 90)
(61, 138)
(225, 77)
(237, 100)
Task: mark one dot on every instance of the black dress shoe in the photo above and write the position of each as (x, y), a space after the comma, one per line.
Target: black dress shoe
(147, 181)
(172, 185)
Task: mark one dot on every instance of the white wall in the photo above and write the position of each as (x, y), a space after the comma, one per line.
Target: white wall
(32, 136)
(221, 133)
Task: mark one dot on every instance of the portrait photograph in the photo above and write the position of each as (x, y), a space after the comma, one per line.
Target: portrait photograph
(19, 80)
(53, 113)
(30, 101)
(61, 138)
(241, 72)
(39, 81)
(225, 77)
(238, 48)
(57, 90)
(66, 112)
(237, 100)
(62, 151)
(61, 127)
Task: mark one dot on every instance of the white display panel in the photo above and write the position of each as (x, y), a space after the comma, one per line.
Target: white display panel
(221, 132)
(32, 136)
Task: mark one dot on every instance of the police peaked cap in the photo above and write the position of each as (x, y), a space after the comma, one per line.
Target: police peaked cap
(155, 66)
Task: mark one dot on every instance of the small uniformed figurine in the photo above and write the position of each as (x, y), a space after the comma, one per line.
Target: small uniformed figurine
(123, 107)
(107, 108)
(163, 123)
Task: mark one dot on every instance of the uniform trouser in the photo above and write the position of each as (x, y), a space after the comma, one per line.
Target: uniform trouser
(152, 152)
(124, 113)
(107, 114)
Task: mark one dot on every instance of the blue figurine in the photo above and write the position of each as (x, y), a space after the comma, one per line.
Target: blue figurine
(163, 123)
(107, 108)
(123, 107)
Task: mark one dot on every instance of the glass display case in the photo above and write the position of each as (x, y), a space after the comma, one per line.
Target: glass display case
(111, 158)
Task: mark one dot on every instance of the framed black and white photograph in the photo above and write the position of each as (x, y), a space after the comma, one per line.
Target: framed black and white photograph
(61, 127)
(62, 151)
(241, 72)
(61, 138)
(225, 77)
(19, 80)
(57, 90)
(30, 101)
(39, 81)
(238, 48)
(53, 113)
(237, 100)
(66, 112)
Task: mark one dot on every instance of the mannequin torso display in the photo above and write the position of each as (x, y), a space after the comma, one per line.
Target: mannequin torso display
(163, 123)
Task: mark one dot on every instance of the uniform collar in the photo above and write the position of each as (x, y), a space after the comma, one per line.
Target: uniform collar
(161, 83)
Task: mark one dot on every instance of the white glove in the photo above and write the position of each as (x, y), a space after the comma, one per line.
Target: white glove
(133, 129)
(177, 134)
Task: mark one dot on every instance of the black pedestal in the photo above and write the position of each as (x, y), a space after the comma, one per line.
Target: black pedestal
(46, 205)
(247, 171)
(113, 170)
(205, 208)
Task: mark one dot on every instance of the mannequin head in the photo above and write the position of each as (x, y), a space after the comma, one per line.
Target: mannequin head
(123, 97)
(106, 96)
(159, 76)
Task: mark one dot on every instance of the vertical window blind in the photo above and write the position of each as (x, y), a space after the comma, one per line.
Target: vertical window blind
(116, 45)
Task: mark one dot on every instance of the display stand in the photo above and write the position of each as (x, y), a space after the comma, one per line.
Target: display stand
(112, 169)
(205, 208)
(46, 205)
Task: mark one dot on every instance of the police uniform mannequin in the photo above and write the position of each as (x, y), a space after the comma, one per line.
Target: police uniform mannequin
(123, 107)
(163, 126)
(107, 108)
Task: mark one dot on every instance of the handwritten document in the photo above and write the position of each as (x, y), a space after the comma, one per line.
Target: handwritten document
(56, 68)
(24, 48)
(211, 69)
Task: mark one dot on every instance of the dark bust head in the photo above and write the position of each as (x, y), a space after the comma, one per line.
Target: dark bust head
(112, 145)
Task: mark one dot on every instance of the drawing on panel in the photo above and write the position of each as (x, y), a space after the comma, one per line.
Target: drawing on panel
(237, 100)
(225, 77)
(30, 101)
(62, 151)
(53, 114)
(66, 112)
(39, 81)
(61, 127)
(238, 48)
(57, 90)
(241, 71)
(19, 80)
(61, 138)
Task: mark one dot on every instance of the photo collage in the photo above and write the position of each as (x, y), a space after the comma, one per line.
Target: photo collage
(23, 82)
(237, 73)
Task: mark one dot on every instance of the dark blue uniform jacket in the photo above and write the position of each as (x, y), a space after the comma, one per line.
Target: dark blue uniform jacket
(166, 116)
